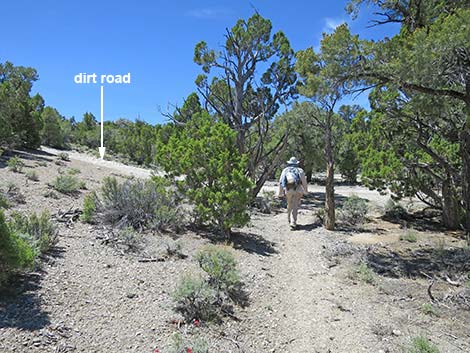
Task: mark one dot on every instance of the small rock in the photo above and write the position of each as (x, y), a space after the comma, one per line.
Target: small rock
(396, 332)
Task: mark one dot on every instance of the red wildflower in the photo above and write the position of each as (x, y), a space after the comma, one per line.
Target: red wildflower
(189, 350)
(196, 322)
(156, 350)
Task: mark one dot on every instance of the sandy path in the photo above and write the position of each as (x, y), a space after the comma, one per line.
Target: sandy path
(304, 307)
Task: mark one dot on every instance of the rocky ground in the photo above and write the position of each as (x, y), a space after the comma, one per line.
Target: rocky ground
(308, 292)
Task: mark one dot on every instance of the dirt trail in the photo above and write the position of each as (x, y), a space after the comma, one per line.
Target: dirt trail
(90, 298)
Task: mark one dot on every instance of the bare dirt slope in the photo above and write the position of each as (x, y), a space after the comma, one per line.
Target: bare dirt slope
(305, 294)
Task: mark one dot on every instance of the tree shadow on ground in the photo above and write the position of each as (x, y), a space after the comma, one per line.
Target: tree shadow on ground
(27, 154)
(420, 221)
(20, 304)
(23, 310)
(249, 242)
(253, 244)
(308, 227)
(317, 200)
(423, 262)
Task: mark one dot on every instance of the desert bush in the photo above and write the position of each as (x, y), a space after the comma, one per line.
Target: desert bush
(66, 184)
(15, 253)
(4, 202)
(41, 164)
(409, 235)
(394, 210)
(14, 194)
(422, 345)
(196, 299)
(50, 194)
(39, 231)
(63, 156)
(268, 202)
(429, 309)
(206, 298)
(139, 204)
(32, 175)
(220, 266)
(73, 171)
(180, 345)
(363, 273)
(89, 208)
(15, 164)
(128, 239)
(354, 210)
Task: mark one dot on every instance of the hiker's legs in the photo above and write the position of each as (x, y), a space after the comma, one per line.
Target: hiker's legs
(290, 203)
(296, 204)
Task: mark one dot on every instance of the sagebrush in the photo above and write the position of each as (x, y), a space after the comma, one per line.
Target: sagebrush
(38, 230)
(15, 164)
(354, 210)
(207, 298)
(67, 184)
(139, 204)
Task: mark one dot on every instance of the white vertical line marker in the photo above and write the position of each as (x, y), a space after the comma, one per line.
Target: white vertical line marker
(102, 149)
(102, 114)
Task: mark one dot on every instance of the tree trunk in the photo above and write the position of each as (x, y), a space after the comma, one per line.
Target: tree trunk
(450, 205)
(329, 189)
(308, 172)
(465, 151)
(269, 169)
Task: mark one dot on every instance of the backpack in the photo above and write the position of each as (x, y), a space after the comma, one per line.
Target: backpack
(292, 178)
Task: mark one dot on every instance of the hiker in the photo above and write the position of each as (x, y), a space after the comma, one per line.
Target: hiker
(293, 185)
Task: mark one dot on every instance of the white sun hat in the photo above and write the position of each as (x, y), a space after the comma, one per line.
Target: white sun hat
(293, 161)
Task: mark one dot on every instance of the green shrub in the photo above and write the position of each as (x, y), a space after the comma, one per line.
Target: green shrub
(39, 231)
(73, 171)
(32, 175)
(196, 299)
(429, 309)
(221, 267)
(363, 273)
(63, 156)
(207, 298)
(128, 239)
(15, 164)
(180, 345)
(41, 164)
(140, 204)
(89, 208)
(205, 152)
(410, 235)
(354, 210)
(268, 202)
(4, 201)
(422, 345)
(14, 194)
(66, 184)
(15, 253)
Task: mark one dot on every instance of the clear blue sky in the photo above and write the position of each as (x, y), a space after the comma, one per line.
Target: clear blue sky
(154, 40)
